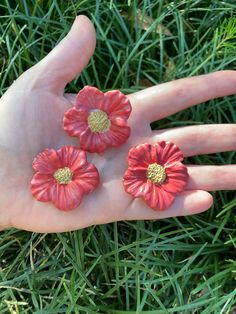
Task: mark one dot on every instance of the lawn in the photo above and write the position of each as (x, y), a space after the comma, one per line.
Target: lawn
(178, 265)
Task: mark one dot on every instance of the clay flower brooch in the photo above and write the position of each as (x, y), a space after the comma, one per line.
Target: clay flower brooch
(63, 177)
(99, 120)
(155, 173)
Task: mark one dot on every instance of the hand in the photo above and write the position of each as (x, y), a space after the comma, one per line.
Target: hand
(31, 113)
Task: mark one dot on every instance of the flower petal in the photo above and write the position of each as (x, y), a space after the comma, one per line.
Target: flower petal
(117, 134)
(72, 157)
(89, 98)
(168, 153)
(46, 162)
(136, 183)
(116, 104)
(92, 142)
(41, 185)
(142, 155)
(75, 121)
(176, 178)
(158, 198)
(66, 196)
(87, 178)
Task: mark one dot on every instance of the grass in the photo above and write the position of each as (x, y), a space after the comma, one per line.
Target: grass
(184, 265)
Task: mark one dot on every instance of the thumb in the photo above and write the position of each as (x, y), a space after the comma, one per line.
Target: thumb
(70, 56)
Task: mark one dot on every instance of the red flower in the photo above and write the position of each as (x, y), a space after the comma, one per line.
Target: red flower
(63, 177)
(155, 173)
(98, 120)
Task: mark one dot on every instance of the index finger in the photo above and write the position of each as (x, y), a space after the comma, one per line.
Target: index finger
(162, 100)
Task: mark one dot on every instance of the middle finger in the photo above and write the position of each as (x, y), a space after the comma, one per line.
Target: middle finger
(200, 139)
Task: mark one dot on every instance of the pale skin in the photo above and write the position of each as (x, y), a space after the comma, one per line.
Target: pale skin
(31, 113)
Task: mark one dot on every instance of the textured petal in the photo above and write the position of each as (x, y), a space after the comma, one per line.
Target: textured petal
(168, 153)
(176, 178)
(46, 162)
(75, 121)
(89, 98)
(92, 142)
(116, 104)
(41, 185)
(117, 134)
(136, 183)
(157, 198)
(142, 155)
(72, 157)
(66, 197)
(87, 178)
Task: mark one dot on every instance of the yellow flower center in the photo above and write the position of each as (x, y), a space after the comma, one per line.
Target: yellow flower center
(63, 175)
(98, 121)
(156, 173)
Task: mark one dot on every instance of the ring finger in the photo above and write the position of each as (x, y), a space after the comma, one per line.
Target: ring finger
(205, 139)
(211, 178)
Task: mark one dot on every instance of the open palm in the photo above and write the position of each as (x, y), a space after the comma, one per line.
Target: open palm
(31, 115)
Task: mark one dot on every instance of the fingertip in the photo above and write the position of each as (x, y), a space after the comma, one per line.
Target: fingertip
(83, 24)
(81, 18)
(83, 34)
(208, 198)
(70, 56)
(201, 201)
